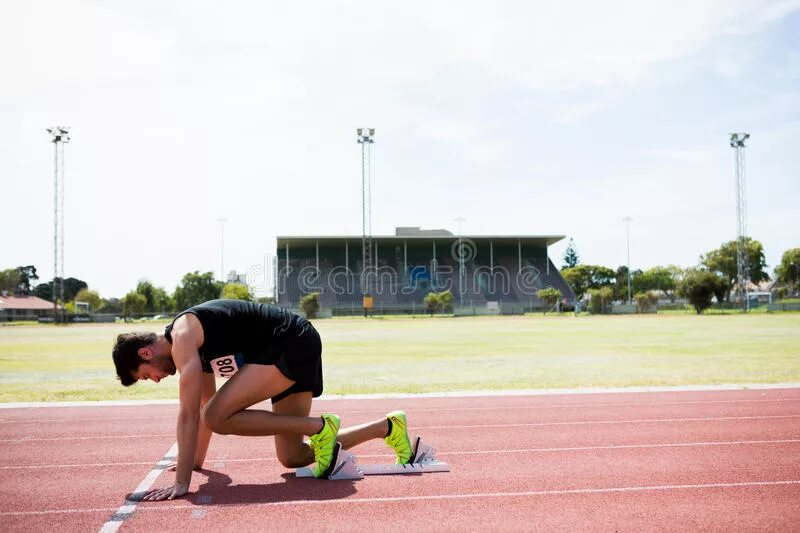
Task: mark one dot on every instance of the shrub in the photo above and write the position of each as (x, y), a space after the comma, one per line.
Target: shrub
(310, 304)
(438, 301)
(699, 287)
(600, 299)
(549, 296)
(237, 291)
(646, 301)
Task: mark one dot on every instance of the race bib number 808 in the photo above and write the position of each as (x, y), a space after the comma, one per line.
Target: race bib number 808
(226, 366)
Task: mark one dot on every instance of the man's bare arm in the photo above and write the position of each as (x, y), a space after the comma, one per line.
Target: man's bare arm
(209, 387)
(187, 337)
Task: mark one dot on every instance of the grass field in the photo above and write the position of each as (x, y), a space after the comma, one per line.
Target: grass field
(45, 363)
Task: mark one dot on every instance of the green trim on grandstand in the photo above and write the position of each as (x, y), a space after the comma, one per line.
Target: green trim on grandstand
(500, 272)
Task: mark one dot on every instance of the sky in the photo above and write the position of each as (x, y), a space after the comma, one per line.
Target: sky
(524, 118)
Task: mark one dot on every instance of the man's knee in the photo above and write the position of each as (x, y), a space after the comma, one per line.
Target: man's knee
(295, 458)
(214, 419)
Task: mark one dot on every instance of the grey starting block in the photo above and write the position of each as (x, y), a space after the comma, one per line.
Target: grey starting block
(346, 467)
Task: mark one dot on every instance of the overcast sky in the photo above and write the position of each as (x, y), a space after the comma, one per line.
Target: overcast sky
(522, 117)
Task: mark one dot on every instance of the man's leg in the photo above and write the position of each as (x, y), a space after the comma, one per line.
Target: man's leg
(355, 435)
(292, 452)
(227, 413)
(393, 430)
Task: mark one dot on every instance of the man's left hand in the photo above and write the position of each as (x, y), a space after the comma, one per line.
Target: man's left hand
(168, 493)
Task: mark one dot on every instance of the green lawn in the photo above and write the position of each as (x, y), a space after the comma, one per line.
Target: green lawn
(40, 363)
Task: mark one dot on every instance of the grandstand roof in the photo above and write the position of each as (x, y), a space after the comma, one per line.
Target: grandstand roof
(300, 240)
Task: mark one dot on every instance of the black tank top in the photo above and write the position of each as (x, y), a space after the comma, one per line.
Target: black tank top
(237, 332)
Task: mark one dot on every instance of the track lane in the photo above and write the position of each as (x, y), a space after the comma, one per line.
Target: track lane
(244, 470)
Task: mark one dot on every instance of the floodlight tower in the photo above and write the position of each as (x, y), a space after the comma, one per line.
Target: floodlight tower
(365, 137)
(737, 143)
(59, 137)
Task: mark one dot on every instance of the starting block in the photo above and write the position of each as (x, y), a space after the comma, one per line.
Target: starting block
(346, 467)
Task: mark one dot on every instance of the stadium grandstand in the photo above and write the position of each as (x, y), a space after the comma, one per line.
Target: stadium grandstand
(485, 274)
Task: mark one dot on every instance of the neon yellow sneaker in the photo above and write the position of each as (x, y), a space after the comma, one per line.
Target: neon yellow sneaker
(324, 444)
(398, 437)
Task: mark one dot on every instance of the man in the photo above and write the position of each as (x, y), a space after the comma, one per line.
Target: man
(266, 352)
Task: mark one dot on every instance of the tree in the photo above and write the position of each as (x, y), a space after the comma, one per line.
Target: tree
(9, 280)
(310, 304)
(600, 298)
(157, 298)
(724, 261)
(197, 288)
(90, 297)
(584, 277)
(44, 291)
(133, 304)
(237, 291)
(549, 296)
(699, 287)
(27, 275)
(18, 280)
(789, 269)
(71, 287)
(111, 305)
(571, 258)
(659, 279)
(621, 283)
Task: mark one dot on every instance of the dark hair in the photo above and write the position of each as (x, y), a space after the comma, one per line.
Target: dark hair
(126, 354)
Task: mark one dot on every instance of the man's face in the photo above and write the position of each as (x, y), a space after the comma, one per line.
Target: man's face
(156, 368)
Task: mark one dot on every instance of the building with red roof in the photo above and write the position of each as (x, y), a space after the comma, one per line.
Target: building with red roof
(24, 308)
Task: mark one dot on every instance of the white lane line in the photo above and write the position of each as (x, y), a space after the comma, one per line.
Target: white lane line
(129, 506)
(471, 426)
(552, 492)
(622, 447)
(440, 409)
(91, 437)
(454, 394)
(75, 465)
(78, 419)
(457, 496)
(218, 463)
(590, 405)
(594, 422)
(564, 406)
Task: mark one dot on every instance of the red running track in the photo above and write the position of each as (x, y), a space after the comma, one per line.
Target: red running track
(667, 461)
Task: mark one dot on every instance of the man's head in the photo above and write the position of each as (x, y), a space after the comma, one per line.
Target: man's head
(141, 356)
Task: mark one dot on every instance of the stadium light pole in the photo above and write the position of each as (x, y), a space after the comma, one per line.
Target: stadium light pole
(365, 137)
(459, 220)
(737, 143)
(59, 136)
(628, 241)
(222, 221)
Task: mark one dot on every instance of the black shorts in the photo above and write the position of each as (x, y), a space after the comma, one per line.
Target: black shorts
(301, 361)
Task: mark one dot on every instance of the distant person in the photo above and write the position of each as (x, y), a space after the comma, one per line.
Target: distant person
(267, 352)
